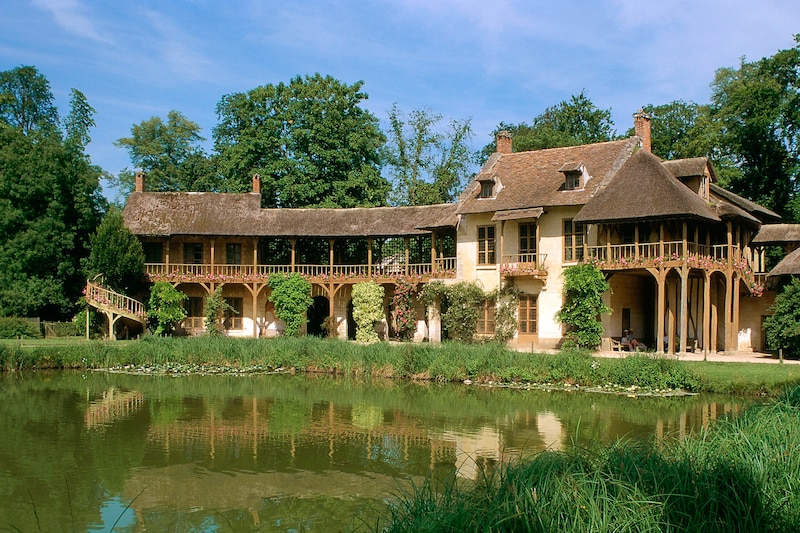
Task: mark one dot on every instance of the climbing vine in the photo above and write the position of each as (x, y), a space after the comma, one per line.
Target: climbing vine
(165, 307)
(367, 309)
(583, 290)
(506, 300)
(216, 307)
(292, 297)
(461, 305)
(403, 314)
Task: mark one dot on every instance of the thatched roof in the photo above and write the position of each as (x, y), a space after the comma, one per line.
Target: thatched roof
(777, 234)
(644, 189)
(690, 167)
(762, 213)
(164, 213)
(536, 178)
(789, 265)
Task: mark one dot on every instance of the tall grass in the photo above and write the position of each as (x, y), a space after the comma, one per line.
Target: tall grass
(739, 475)
(444, 363)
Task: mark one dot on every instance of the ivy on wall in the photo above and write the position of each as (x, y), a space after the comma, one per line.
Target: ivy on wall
(403, 314)
(292, 297)
(367, 309)
(461, 304)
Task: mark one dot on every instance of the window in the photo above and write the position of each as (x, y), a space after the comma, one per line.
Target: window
(153, 252)
(573, 241)
(486, 318)
(527, 243)
(233, 317)
(487, 189)
(193, 253)
(486, 245)
(234, 253)
(573, 181)
(527, 313)
(193, 306)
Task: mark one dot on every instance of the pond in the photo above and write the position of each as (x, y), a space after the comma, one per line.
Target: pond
(94, 451)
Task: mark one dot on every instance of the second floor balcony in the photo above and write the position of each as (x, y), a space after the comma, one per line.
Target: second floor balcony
(226, 273)
(524, 264)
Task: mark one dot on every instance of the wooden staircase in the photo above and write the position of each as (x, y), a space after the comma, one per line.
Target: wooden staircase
(115, 306)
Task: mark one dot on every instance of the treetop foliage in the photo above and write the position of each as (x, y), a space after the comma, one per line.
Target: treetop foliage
(310, 141)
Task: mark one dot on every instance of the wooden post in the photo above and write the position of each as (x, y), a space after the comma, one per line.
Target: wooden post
(660, 310)
(706, 313)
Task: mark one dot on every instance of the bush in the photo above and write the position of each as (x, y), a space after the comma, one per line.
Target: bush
(367, 310)
(18, 328)
(584, 286)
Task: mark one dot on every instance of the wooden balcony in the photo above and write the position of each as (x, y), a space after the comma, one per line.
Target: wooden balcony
(523, 265)
(385, 272)
(669, 253)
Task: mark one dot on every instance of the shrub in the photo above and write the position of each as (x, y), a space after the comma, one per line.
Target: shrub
(292, 297)
(165, 308)
(403, 315)
(367, 309)
(18, 328)
(584, 286)
(461, 304)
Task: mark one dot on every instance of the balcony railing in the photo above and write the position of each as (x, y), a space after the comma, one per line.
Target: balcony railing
(654, 254)
(183, 272)
(515, 265)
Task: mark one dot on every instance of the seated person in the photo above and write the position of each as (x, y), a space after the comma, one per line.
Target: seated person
(629, 341)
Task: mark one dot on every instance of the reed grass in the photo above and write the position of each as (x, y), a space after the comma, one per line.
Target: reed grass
(443, 363)
(740, 474)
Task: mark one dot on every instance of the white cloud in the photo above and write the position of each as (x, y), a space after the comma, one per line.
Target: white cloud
(71, 15)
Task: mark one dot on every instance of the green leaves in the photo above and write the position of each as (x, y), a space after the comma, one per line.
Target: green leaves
(783, 326)
(165, 307)
(367, 309)
(583, 290)
(116, 254)
(310, 141)
(292, 297)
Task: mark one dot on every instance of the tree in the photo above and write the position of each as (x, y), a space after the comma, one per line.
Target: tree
(216, 308)
(26, 102)
(783, 326)
(165, 307)
(367, 309)
(79, 121)
(583, 290)
(310, 141)
(169, 154)
(292, 297)
(50, 203)
(116, 254)
(569, 123)
(427, 166)
(758, 107)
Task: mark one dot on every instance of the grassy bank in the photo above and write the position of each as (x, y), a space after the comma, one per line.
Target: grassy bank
(446, 362)
(739, 475)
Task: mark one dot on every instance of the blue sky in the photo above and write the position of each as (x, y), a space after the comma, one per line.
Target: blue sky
(491, 61)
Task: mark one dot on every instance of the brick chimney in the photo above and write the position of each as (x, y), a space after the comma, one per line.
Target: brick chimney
(140, 187)
(256, 183)
(504, 142)
(641, 124)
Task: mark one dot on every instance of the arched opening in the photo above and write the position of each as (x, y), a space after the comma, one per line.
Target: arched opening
(317, 314)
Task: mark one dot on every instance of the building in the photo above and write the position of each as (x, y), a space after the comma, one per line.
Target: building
(677, 249)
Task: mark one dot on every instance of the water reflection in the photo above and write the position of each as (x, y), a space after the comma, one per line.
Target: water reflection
(277, 453)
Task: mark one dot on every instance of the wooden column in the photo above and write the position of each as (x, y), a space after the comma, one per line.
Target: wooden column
(735, 317)
(671, 318)
(294, 252)
(408, 254)
(684, 312)
(706, 313)
(660, 309)
(369, 255)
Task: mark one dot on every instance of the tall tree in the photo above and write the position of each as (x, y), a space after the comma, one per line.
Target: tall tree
(79, 121)
(50, 202)
(685, 129)
(758, 106)
(116, 254)
(569, 123)
(428, 166)
(26, 102)
(310, 141)
(169, 153)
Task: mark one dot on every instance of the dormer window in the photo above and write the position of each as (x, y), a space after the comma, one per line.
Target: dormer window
(575, 176)
(489, 187)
